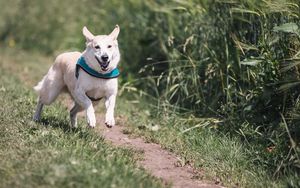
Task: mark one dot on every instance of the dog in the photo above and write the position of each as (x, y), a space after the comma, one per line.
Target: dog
(88, 77)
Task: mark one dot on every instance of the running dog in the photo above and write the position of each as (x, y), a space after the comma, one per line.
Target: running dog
(88, 77)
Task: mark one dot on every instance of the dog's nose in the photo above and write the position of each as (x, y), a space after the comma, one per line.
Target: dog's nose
(104, 58)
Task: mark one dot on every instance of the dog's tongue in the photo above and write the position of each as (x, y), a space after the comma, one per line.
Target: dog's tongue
(104, 65)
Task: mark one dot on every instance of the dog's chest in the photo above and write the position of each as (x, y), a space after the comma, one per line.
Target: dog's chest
(100, 88)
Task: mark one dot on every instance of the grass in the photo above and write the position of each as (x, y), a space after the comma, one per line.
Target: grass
(51, 154)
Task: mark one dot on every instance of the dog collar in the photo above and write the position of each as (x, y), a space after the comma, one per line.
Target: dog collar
(82, 64)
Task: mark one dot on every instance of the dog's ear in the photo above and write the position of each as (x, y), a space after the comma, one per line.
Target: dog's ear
(88, 35)
(114, 34)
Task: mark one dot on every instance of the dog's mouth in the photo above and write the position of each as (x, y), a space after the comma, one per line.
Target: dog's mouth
(103, 65)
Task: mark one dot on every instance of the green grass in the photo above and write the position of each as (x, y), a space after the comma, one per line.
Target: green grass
(51, 154)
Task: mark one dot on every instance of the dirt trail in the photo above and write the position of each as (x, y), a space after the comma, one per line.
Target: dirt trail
(157, 161)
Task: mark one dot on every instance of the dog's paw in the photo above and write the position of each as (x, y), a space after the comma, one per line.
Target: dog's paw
(74, 122)
(91, 120)
(92, 124)
(36, 118)
(110, 122)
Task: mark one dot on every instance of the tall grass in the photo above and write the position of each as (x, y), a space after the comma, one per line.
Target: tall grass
(235, 61)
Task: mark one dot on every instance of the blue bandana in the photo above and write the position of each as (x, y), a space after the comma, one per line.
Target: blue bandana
(82, 64)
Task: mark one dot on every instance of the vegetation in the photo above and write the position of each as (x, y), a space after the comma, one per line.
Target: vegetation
(221, 71)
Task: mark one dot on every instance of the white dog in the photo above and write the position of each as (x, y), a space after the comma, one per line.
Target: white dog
(88, 77)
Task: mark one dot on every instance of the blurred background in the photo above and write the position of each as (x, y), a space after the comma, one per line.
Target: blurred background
(236, 61)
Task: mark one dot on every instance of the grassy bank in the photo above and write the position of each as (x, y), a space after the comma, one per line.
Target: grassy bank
(51, 154)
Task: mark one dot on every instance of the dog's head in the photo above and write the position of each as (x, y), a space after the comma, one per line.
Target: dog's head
(102, 52)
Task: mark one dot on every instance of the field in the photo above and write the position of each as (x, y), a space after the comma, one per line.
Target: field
(216, 82)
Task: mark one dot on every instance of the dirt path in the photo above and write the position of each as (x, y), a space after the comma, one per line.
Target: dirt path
(157, 161)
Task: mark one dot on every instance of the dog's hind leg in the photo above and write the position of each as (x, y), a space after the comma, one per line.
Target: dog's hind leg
(73, 114)
(38, 111)
(48, 89)
(51, 85)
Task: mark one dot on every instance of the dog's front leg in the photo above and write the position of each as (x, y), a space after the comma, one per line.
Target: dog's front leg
(110, 106)
(86, 103)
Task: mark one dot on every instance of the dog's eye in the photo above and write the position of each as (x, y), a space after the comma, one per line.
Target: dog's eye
(109, 46)
(97, 47)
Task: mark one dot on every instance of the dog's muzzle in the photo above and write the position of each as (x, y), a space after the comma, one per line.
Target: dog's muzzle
(103, 62)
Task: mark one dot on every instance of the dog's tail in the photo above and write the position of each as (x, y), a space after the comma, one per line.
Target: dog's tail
(39, 86)
(50, 86)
